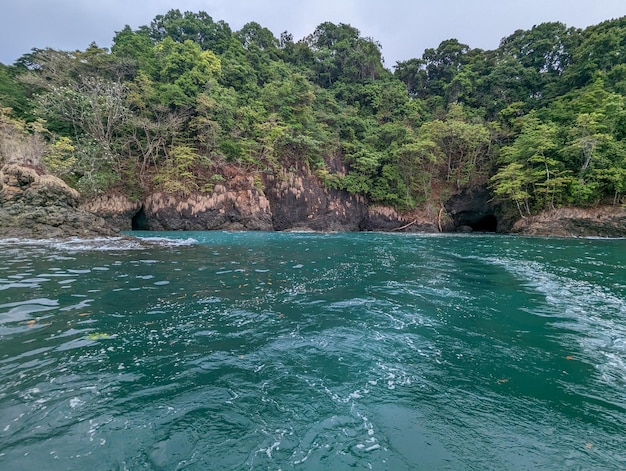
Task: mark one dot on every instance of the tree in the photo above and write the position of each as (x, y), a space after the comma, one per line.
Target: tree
(413, 74)
(21, 142)
(592, 123)
(136, 46)
(254, 35)
(546, 48)
(13, 93)
(184, 70)
(601, 49)
(340, 53)
(531, 166)
(461, 146)
(442, 64)
(513, 181)
(94, 107)
(198, 28)
(176, 174)
(152, 133)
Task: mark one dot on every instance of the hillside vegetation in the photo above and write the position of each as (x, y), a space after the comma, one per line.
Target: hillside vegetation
(541, 120)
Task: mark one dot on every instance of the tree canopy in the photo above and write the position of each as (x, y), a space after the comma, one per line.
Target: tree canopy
(541, 120)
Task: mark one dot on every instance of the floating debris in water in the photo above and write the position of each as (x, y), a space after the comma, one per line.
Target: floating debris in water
(99, 336)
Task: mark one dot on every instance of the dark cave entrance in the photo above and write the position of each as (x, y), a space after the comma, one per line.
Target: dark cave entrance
(488, 223)
(140, 221)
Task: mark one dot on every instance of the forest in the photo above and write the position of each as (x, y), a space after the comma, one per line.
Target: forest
(540, 121)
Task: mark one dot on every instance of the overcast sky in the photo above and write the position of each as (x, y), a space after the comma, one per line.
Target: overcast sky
(404, 27)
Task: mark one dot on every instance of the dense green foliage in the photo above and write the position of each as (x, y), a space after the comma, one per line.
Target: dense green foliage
(541, 119)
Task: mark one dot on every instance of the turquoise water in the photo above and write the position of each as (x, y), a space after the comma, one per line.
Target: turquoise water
(246, 351)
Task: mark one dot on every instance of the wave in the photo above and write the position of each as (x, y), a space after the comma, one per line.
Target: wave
(589, 309)
(98, 244)
(170, 242)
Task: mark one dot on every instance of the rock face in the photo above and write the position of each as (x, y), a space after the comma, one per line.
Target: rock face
(299, 201)
(238, 203)
(35, 205)
(289, 200)
(605, 221)
(385, 218)
(294, 200)
(118, 210)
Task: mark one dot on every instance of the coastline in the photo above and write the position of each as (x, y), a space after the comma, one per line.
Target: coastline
(36, 205)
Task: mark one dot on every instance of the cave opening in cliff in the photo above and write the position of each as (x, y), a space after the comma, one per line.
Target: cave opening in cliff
(140, 221)
(487, 223)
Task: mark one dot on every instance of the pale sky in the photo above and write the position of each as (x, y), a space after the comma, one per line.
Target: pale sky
(404, 27)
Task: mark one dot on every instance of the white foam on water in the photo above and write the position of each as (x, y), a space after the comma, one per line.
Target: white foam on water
(76, 402)
(371, 443)
(98, 244)
(306, 457)
(76, 244)
(170, 242)
(277, 436)
(597, 315)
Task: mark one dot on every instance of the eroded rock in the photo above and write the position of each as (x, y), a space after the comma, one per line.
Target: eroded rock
(386, 218)
(237, 204)
(604, 221)
(34, 204)
(299, 200)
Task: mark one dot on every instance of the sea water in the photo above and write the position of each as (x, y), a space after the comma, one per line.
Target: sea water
(246, 351)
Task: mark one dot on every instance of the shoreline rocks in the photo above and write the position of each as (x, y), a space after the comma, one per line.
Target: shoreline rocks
(34, 204)
(603, 221)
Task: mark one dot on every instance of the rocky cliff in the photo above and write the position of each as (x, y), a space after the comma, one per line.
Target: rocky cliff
(473, 209)
(237, 203)
(35, 204)
(385, 218)
(298, 200)
(604, 221)
(287, 200)
(242, 208)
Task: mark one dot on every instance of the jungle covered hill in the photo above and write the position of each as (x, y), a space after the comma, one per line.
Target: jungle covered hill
(184, 106)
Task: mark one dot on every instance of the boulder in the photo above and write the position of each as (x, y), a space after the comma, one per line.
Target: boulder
(34, 204)
(603, 221)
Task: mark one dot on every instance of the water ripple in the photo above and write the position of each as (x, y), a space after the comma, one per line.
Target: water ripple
(312, 351)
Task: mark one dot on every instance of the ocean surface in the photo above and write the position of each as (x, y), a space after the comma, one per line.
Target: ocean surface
(280, 351)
